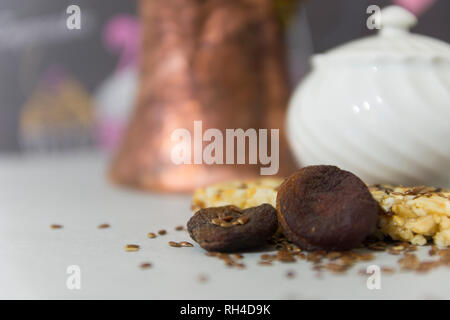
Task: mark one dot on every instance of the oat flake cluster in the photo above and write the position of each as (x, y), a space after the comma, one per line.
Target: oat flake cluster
(413, 214)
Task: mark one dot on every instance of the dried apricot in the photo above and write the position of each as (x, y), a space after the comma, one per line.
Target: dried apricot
(326, 208)
(245, 229)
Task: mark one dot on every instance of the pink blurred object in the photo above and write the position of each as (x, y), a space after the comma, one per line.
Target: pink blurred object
(121, 34)
(115, 96)
(109, 132)
(417, 7)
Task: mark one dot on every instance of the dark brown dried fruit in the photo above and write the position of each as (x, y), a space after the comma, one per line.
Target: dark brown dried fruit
(261, 225)
(324, 207)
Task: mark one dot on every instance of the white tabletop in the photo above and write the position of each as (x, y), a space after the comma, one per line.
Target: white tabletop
(71, 190)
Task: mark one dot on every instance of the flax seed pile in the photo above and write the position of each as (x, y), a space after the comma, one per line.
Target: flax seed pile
(410, 217)
(341, 262)
(280, 250)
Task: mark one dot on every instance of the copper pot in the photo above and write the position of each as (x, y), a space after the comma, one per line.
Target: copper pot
(221, 62)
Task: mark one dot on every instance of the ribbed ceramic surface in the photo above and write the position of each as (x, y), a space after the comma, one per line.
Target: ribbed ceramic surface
(387, 124)
(382, 112)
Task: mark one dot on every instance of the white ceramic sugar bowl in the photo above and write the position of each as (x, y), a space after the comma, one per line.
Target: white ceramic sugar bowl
(378, 107)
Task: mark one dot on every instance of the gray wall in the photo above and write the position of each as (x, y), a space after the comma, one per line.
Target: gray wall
(22, 63)
(322, 25)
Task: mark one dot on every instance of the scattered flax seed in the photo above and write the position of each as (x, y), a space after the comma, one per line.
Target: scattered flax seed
(56, 226)
(242, 220)
(179, 228)
(216, 221)
(186, 244)
(444, 262)
(433, 251)
(366, 257)
(409, 262)
(387, 270)
(151, 235)
(211, 253)
(132, 247)
(290, 274)
(227, 218)
(337, 261)
(267, 257)
(337, 267)
(315, 256)
(228, 260)
(362, 272)
(333, 255)
(146, 265)
(229, 263)
(226, 224)
(444, 253)
(284, 256)
(202, 278)
(223, 256)
(292, 248)
(103, 226)
(426, 266)
(162, 232)
(394, 252)
(318, 267)
(376, 246)
(301, 256)
(174, 244)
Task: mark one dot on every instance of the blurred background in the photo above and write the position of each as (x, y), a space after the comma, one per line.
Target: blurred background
(64, 89)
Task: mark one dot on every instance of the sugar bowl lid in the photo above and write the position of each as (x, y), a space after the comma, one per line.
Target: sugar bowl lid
(393, 41)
